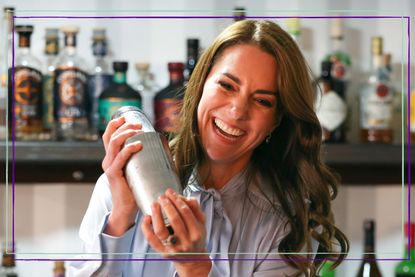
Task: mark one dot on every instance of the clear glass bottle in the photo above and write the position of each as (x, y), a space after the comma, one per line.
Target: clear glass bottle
(192, 57)
(369, 267)
(376, 101)
(118, 94)
(70, 91)
(406, 268)
(331, 109)
(168, 101)
(5, 63)
(100, 78)
(25, 90)
(51, 52)
(147, 87)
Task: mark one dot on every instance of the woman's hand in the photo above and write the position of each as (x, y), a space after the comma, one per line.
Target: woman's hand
(188, 222)
(124, 207)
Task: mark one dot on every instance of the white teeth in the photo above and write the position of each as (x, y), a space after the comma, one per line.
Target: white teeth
(227, 129)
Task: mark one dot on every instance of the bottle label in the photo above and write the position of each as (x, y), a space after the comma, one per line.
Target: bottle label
(331, 111)
(96, 85)
(108, 106)
(167, 115)
(377, 107)
(71, 101)
(27, 99)
(47, 101)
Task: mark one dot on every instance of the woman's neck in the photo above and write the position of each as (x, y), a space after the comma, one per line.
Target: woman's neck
(218, 175)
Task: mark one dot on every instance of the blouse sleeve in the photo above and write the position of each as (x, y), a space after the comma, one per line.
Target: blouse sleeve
(95, 242)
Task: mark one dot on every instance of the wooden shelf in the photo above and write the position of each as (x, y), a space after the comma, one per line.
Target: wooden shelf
(74, 162)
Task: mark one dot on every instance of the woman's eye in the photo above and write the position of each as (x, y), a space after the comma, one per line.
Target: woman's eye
(225, 85)
(264, 102)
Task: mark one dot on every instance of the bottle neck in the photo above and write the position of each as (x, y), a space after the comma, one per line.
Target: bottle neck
(176, 76)
(120, 77)
(337, 44)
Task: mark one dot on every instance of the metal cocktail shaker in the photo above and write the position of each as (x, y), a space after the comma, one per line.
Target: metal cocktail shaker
(151, 171)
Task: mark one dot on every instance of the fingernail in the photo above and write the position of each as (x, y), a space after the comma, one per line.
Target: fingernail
(163, 199)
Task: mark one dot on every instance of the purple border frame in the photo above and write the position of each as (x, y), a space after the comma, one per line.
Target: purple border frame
(212, 17)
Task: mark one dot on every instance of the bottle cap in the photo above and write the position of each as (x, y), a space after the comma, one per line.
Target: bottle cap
(239, 13)
(51, 33)
(98, 34)
(120, 66)
(24, 29)
(175, 66)
(8, 9)
(70, 29)
(142, 66)
(193, 42)
(293, 26)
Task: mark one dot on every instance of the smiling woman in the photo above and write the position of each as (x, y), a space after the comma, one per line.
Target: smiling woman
(248, 158)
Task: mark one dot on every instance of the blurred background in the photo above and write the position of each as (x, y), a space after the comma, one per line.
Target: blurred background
(55, 169)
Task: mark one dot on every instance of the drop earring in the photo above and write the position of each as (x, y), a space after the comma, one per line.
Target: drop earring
(267, 139)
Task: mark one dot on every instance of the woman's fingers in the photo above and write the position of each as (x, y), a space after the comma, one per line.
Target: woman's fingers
(153, 240)
(116, 166)
(190, 220)
(194, 205)
(158, 222)
(174, 217)
(112, 126)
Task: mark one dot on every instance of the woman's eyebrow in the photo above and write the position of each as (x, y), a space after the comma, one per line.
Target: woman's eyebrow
(238, 81)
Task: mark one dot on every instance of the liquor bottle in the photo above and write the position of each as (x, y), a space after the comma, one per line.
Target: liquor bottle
(192, 57)
(8, 264)
(59, 269)
(326, 270)
(376, 101)
(25, 91)
(147, 88)
(118, 94)
(100, 79)
(5, 62)
(369, 266)
(330, 108)
(406, 268)
(239, 13)
(70, 90)
(51, 52)
(168, 101)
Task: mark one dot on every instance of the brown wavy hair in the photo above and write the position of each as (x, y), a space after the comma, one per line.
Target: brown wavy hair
(291, 160)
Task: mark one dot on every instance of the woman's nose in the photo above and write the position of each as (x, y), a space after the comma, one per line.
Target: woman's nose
(239, 108)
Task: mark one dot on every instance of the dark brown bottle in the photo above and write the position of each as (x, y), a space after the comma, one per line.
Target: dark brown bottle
(331, 109)
(369, 266)
(25, 90)
(168, 102)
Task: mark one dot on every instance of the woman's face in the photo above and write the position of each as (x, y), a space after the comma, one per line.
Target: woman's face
(237, 110)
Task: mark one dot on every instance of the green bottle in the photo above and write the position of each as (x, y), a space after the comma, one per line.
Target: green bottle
(326, 271)
(406, 268)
